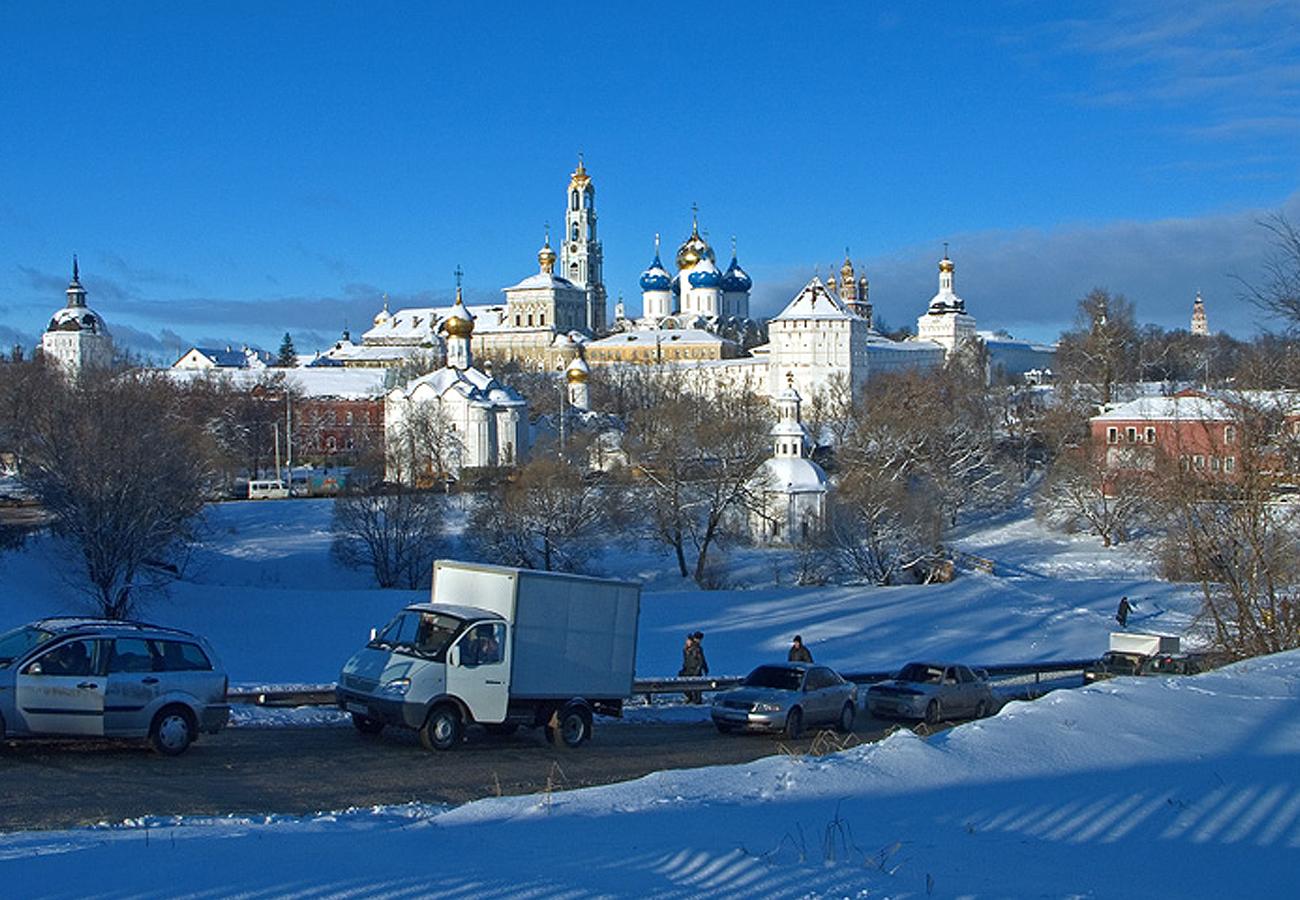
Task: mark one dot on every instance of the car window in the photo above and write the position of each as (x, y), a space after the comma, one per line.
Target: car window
(785, 678)
(949, 676)
(919, 673)
(964, 675)
(130, 655)
(483, 644)
(71, 658)
(182, 656)
(16, 643)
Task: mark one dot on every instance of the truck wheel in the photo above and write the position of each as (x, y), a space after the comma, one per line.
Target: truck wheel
(366, 725)
(172, 731)
(442, 730)
(847, 715)
(571, 726)
(794, 723)
(932, 713)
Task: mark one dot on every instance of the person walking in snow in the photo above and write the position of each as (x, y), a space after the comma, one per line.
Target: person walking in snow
(1121, 614)
(798, 652)
(693, 663)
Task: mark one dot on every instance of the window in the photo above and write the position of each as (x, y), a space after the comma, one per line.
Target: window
(348, 417)
(181, 656)
(1214, 464)
(573, 201)
(530, 320)
(130, 655)
(73, 658)
(483, 645)
(1184, 463)
(541, 319)
(1229, 434)
(1131, 434)
(1112, 435)
(1198, 462)
(573, 233)
(330, 443)
(1151, 435)
(1230, 464)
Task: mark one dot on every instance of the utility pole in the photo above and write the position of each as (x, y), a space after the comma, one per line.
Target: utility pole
(288, 441)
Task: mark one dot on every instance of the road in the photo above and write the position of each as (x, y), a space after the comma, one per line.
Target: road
(304, 770)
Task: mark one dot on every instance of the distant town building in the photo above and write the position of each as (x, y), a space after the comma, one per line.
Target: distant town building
(224, 358)
(77, 338)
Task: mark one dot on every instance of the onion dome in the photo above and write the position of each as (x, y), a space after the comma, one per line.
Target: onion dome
(704, 275)
(579, 179)
(546, 256)
(459, 322)
(656, 278)
(846, 270)
(382, 316)
(694, 248)
(735, 279)
(945, 264)
(577, 372)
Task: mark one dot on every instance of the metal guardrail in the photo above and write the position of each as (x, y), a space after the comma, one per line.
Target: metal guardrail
(323, 694)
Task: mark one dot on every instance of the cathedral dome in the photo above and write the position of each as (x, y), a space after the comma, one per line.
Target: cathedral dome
(704, 275)
(735, 279)
(693, 249)
(656, 278)
(577, 372)
(459, 322)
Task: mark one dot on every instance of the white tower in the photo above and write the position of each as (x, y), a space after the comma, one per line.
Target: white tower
(577, 375)
(1200, 325)
(793, 486)
(77, 338)
(581, 257)
(946, 322)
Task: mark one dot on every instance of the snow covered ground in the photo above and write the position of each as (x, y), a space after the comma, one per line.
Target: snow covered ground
(1133, 787)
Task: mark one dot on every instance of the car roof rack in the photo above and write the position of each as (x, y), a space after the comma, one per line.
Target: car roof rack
(72, 624)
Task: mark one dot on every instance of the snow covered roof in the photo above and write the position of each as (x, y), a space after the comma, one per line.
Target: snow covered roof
(544, 280)
(662, 336)
(419, 325)
(346, 351)
(474, 385)
(1001, 339)
(324, 381)
(1198, 407)
(78, 318)
(794, 475)
(226, 357)
(815, 301)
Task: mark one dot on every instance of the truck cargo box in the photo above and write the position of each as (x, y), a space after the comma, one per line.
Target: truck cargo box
(1143, 644)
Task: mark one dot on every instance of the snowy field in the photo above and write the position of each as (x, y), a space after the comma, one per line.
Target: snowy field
(1133, 787)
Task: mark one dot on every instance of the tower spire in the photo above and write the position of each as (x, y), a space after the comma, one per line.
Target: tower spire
(76, 275)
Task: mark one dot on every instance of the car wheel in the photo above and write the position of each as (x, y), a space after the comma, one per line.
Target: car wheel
(172, 731)
(847, 715)
(442, 730)
(981, 709)
(366, 725)
(932, 713)
(794, 723)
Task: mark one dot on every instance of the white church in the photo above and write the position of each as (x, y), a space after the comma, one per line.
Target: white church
(77, 338)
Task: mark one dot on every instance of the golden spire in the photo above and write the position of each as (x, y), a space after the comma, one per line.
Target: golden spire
(580, 178)
(945, 264)
(459, 322)
(846, 270)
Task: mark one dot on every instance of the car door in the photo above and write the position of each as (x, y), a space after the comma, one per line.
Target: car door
(133, 684)
(952, 695)
(478, 671)
(970, 690)
(62, 690)
(819, 696)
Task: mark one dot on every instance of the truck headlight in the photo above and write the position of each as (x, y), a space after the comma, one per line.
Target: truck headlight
(398, 686)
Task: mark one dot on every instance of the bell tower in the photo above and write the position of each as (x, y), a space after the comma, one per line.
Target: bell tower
(581, 258)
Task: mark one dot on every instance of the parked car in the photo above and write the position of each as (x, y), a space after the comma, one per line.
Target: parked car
(1173, 664)
(106, 678)
(933, 692)
(1112, 664)
(787, 697)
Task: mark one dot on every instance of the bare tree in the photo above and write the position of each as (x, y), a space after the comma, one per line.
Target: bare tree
(1278, 294)
(1230, 533)
(879, 528)
(549, 517)
(396, 533)
(121, 467)
(1102, 350)
(1083, 491)
(424, 449)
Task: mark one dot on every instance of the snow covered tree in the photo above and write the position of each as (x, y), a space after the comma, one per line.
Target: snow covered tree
(1082, 492)
(424, 449)
(287, 357)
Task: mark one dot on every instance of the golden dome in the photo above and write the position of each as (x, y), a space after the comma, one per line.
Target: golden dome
(693, 249)
(579, 178)
(945, 265)
(577, 372)
(846, 270)
(546, 256)
(459, 323)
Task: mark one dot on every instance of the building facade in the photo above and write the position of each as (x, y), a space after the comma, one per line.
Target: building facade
(77, 338)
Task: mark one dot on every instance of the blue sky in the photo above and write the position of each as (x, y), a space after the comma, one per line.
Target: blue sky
(229, 172)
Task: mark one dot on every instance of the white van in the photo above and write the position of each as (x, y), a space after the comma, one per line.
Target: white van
(267, 490)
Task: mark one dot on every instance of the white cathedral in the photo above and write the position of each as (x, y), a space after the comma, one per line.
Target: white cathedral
(77, 338)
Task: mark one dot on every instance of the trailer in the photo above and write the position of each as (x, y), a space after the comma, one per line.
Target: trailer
(498, 647)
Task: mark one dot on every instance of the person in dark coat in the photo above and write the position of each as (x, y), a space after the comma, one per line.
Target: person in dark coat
(798, 652)
(693, 664)
(1121, 614)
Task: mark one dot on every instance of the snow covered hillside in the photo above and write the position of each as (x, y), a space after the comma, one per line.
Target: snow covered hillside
(264, 590)
(1183, 787)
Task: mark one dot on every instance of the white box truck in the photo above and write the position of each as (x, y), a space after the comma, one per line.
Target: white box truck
(499, 647)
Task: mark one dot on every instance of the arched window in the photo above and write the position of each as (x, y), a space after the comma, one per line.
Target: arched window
(574, 232)
(573, 201)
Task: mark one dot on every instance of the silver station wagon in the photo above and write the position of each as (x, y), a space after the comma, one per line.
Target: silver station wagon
(93, 678)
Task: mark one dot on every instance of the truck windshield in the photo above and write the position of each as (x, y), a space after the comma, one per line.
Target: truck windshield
(14, 644)
(421, 633)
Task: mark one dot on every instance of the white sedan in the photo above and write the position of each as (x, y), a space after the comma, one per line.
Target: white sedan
(933, 692)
